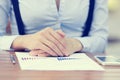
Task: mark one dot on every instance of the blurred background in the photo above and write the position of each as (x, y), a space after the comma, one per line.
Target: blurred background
(113, 47)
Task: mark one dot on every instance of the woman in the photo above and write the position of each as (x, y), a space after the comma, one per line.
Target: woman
(55, 27)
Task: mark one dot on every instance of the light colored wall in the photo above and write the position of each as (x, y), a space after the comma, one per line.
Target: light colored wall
(114, 27)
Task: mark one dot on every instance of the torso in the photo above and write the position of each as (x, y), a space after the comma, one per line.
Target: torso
(69, 16)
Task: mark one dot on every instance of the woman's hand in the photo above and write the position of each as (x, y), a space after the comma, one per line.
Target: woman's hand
(46, 40)
(72, 45)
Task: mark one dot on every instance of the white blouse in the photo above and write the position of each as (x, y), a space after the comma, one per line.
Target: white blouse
(71, 17)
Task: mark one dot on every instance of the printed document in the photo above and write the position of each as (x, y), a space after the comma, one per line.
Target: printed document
(78, 61)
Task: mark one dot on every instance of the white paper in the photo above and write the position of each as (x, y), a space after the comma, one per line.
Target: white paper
(79, 61)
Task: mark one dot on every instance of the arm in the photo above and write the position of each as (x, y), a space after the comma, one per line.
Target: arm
(97, 39)
(5, 41)
(44, 39)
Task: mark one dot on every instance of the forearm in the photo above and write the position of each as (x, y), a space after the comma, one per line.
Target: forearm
(93, 44)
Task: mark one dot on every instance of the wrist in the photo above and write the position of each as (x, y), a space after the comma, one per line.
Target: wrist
(77, 45)
(18, 43)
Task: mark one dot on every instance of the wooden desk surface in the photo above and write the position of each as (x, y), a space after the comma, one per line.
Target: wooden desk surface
(8, 71)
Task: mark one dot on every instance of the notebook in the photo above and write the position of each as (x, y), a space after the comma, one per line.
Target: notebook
(79, 61)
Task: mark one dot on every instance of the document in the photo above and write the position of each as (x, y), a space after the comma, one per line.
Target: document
(78, 61)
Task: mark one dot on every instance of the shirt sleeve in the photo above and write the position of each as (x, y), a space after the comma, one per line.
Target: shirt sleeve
(96, 42)
(5, 41)
(4, 13)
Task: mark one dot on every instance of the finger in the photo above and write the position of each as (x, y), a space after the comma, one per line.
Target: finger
(36, 52)
(52, 46)
(68, 54)
(61, 33)
(40, 53)
(55, 42)
(43, 32)
(43, 55)
(45, 48)
(57, 37)
(33, 52)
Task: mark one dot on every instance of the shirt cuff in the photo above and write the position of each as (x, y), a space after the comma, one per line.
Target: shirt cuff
(6, 42)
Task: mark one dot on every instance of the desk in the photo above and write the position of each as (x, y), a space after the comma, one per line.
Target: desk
(8, 71)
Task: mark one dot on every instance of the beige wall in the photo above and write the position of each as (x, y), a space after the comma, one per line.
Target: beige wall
(114, 28)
